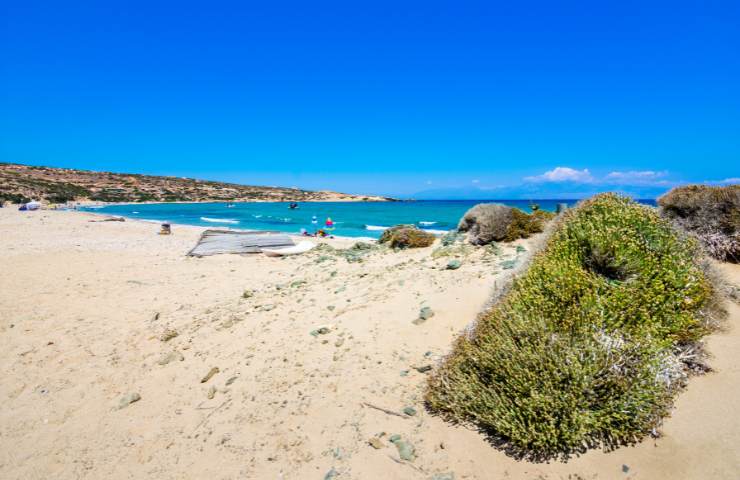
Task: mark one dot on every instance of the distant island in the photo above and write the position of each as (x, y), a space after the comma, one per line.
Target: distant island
(23, 183)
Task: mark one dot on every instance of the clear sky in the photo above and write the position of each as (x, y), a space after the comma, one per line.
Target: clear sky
(377, 97)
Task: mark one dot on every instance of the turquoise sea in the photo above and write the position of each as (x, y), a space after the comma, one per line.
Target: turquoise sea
(351, 219)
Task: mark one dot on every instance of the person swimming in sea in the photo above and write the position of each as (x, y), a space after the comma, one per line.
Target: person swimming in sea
(329, 224)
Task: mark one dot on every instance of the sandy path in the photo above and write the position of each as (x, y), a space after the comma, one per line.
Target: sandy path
(83, 307)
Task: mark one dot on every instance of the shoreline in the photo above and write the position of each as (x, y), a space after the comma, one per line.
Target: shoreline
(227, 223)
(216, 226)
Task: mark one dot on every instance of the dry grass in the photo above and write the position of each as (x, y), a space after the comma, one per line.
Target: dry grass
(711, 213)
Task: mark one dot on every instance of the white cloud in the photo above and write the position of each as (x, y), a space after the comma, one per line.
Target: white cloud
(729, 181)
(635, 177)
(563, 174)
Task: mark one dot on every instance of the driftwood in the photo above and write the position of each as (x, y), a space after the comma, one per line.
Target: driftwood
(214, 242)
(384, 410)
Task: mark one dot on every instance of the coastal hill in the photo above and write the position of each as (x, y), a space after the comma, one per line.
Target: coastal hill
(22, 183)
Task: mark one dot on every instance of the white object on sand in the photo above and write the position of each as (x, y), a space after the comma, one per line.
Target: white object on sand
(302, 247)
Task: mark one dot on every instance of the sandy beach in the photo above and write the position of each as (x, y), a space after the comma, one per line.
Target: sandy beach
(91, 312)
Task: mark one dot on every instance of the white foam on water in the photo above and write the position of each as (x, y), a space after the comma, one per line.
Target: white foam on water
(435, 232)
(427, 224)
(376, 227)
(220, 220)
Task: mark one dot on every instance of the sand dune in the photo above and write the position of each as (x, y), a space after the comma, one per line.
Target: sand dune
(93, 312)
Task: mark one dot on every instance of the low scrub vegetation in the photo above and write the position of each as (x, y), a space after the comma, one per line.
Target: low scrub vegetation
(712, 213)
(13, 197)
(492, 222)
(406, 236)
(586, 347)
(524, 225)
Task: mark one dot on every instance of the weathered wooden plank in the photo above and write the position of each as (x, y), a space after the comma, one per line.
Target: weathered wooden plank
(214, 242)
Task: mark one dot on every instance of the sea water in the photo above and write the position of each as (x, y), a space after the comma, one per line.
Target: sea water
(351, 219)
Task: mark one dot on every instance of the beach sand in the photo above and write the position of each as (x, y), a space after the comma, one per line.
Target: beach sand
(85, 308)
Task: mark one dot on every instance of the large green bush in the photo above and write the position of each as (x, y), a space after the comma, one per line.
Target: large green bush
(582, 349)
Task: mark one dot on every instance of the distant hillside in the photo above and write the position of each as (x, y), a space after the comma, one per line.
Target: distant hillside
(22, 183)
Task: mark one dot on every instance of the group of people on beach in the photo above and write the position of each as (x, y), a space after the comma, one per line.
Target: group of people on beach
(319, 232)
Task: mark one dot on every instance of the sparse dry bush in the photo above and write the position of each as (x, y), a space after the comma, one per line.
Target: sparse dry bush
(492, 222)
(711, 213)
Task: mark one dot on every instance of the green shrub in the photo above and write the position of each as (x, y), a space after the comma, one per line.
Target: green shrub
(712, 213)
(12, 197)
(524, 225)
(406, 236)
(581, 350)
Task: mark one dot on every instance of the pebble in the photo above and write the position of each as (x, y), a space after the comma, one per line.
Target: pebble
(320, 331)
(128, 399)
(508, 264)
(168, 335)
(454, 264)
(376, 443)
(423, 368)
(443, 476)
(210, 373)
(331, 474)
(410, 411)
(424, 314)
(170, 357)
(211, 392)
(405, 449)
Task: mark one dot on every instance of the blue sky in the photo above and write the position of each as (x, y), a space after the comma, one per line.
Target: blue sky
(503, 98)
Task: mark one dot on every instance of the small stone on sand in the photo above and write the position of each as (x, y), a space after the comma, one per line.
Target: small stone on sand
(168, 335)
(128, 399)
(170, 357)
(376, 443)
